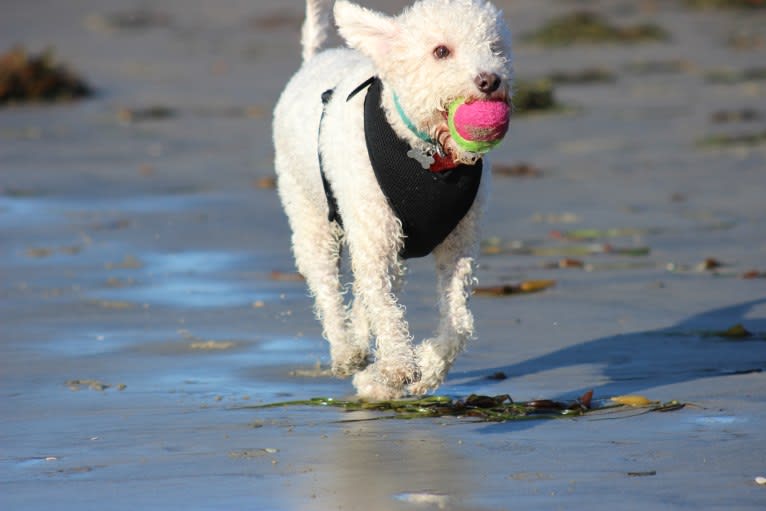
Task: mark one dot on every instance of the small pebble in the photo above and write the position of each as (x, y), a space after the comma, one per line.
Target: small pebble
(760, 480)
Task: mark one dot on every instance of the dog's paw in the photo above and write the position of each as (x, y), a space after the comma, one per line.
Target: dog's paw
(348, 361)
(369, 386)
(433, 369)
(420, 388)
(398, 374)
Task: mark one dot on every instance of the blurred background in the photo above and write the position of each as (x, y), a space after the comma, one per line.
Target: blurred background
(147, 289)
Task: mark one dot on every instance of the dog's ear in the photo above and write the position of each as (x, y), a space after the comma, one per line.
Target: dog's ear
(370, 32)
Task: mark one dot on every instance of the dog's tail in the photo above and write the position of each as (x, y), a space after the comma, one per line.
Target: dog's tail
(315, 26)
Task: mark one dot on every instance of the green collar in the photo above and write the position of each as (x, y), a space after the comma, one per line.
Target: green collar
(407, 122)
(403, 116)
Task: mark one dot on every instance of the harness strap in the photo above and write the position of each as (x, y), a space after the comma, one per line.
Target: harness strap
(333, 215)
(332, 204)
(361, 87)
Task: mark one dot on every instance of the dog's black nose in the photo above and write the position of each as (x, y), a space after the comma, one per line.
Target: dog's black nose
(487, 82)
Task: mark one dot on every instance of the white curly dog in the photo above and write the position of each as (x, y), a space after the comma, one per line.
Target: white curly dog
(367, 161)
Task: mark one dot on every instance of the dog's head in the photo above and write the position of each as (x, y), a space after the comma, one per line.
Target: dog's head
(434, 53)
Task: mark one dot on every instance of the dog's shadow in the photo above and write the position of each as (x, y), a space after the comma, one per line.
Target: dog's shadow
(632, 363)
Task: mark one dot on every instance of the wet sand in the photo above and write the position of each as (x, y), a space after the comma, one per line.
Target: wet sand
(140, 318)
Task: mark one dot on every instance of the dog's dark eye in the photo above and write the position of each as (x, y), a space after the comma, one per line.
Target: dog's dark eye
(441, 52)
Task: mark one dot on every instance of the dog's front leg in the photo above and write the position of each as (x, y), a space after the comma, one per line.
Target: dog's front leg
(374, 245)
(455, 259)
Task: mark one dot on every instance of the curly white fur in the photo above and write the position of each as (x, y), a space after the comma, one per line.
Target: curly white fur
(400, 51)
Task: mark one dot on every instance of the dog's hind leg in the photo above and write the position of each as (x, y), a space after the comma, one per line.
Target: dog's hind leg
(316, 246)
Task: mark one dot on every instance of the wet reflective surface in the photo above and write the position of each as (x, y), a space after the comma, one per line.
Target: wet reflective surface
(139, 315)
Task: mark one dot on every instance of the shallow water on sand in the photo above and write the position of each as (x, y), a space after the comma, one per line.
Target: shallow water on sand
(148, 300)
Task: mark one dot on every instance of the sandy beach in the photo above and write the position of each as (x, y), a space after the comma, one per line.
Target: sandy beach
(148, 300)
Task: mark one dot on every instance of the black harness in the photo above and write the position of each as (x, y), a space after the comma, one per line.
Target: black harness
(429, 204)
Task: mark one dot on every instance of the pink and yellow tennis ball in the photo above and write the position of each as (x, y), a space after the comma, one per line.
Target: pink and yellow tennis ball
(478, 126)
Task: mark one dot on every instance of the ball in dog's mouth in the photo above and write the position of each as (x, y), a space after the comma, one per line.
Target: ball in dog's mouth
(478, 126)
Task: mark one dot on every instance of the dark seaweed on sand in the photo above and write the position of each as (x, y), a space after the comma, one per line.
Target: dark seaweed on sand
(749, 139)
(482, 408)
(39, 77)
(474, 407)
(720, 76)
(586, 27)
(582, 77)
(534, 96)
(732, 4)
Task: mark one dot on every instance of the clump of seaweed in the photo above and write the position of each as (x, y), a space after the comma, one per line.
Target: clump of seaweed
(586, 27)
(477, 407)
(654, 67)
(739, 140)
(738, 115)
(28, 77)
(735, 332)
(745, 38)
(522, 169)
(582, 77)
(732, 4)
(524, 288)
(531, 96)
(130, 20)
(720, 76)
